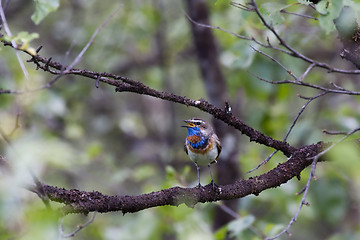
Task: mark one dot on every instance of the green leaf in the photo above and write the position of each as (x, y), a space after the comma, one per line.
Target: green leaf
(329, 10)
(221, 233)
(26, 37)
(346, 22)
(355, 6)
(322, 7)
(236, 226)
(22, 40)
(43, 8)
(271, 12)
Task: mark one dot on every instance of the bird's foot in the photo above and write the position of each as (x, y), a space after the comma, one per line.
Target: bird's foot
(214, 186)
(200, 186)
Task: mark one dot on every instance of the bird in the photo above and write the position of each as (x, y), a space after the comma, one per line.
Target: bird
(202, 145)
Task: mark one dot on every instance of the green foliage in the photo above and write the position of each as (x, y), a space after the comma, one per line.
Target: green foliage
(239, 56)
(22, 40)
(43, 8)
(78, 136)
(237, 226)
(272, 14)
(329, 11)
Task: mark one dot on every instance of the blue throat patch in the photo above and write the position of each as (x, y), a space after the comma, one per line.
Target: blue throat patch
(203, 141)
(194, 131)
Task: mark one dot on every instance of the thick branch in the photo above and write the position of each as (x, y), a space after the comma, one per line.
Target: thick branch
(124, 84)
(84, 202)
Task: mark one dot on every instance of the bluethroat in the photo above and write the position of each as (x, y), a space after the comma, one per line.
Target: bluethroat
(202, 145)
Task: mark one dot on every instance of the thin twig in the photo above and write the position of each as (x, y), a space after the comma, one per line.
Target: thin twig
(308, 69)
(299, 14)
(54, 80)
(275, 60)
(263, 162)
(307, 186)
(14, 45)
(290, 129)
(335, 143)
(64, 69)
(217, 27)
(302, 203)
(334, 132)
(17, 125)
(295, 53)
(78, 228)
(242, 6)
(81, 54)
(289, 50)
(337, 86)
(305, 84)
(301, 111)
(237, 35)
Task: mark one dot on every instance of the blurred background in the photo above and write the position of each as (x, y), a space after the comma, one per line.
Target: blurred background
(74, 135)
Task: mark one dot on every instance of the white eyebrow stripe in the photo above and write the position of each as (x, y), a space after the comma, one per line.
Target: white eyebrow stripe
(198, 121)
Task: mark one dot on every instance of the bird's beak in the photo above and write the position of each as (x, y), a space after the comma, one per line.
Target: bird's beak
(189, 123)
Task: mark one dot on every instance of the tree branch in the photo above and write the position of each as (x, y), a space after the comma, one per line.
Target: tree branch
(84, 202)
(125, 84)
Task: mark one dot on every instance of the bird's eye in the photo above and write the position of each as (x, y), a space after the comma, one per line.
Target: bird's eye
(197, 123)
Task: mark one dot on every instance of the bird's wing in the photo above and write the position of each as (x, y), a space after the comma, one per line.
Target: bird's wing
(218, 146)
(185, 148)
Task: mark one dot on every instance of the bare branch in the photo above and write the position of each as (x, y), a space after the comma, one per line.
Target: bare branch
(14, 45)
(337, 142)
(334, 132)
(273, 59)
(242, 6)
(298, 158)
(301, 111)
(295, 53)
(84, 202)
(82, 52)
(78, 57)
(219, 28)
(124, 84)
(311, 66)
(299, 14)
(78, 228)
(17, 125)
(302, 203)
(289, 50)
(314, 86)
(263, 162)
(311, 176)
(290, 129)
(268, 45)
